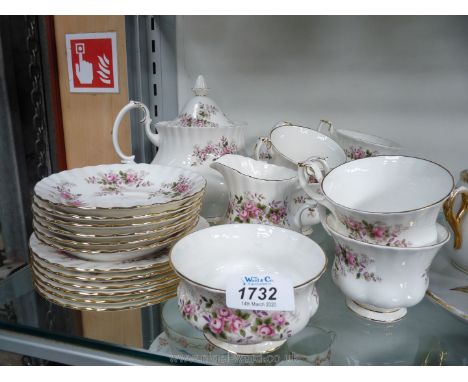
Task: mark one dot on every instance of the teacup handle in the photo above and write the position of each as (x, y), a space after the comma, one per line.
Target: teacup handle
(326, 127)
(314, 169)
(282, 123)
(311, 207)
(118, 120)
(262, 142)
(455, 221)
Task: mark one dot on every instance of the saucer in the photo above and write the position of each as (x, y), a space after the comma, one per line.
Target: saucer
(443, 279)
(253, 349)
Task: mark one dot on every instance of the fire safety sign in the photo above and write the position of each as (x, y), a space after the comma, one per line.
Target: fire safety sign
(92, 62)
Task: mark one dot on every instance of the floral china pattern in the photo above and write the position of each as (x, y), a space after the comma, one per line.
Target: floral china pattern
(179, 187)
(204, 112)
(378, 232)
(212, 151)
(253, 208)
(353, 152)
(348, 262)
(67, 196)
(223, 322)
(115, 183)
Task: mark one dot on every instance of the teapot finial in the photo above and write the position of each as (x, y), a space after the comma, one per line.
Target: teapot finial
(200, 88)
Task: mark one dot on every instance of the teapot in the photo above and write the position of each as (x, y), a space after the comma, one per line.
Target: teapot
(200, 134)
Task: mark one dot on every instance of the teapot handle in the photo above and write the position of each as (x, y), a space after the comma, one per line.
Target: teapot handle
(118, 120)
(262, 141)
(326, 127)
(455, 221)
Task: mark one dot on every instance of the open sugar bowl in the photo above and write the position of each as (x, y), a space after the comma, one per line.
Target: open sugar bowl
(221, 252)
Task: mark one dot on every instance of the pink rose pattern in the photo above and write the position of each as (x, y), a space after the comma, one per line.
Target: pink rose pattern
(252, 208)
(221, 321)
(378, 233)
(204, 112)
(212, 151)
(359, 153)
(67, 196)
(113, 183)
(180, 187)
(347, 262)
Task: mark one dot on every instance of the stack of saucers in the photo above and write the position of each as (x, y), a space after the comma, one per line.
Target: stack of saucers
(383, 220)
(101, 234)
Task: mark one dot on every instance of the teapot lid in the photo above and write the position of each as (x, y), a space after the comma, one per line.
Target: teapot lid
(201, 110)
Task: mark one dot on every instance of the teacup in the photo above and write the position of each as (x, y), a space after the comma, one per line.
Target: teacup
(379, 281)
(385, 200)
(359, 145)
(459, 249)
(290, 144)
(312, 345)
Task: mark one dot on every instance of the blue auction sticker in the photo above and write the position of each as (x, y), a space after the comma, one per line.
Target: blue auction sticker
(260, 292)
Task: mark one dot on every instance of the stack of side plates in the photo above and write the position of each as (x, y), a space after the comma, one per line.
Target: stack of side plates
(81, 284)
(102, 234)
(116, 212)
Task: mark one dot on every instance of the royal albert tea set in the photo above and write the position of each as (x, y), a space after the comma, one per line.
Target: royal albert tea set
(128, 235)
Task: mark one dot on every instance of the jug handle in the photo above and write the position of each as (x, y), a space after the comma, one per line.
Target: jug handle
(262, 141)
(455, 221)
(118, 120)
(326, 127)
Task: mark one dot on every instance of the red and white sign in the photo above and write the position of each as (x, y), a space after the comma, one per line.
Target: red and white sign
(92, 62)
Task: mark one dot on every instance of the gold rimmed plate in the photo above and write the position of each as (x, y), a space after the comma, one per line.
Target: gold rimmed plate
(104, 277)
(52, 214)
(100, 307)
(109, 255)
(130, 292)
(77, 297)
(64, 261)
(120, 190)
(115, 285)
(121, 230)
(158, 234)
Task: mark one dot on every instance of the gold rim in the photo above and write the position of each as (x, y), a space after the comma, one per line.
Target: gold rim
(450, 308)
(77, 297)
(96, 277)
(115, 297)
(387, 213)
(99, 294)
(160, 254)
(211, 338)
(262, 179)
(164, 230)
(167, 276)
(169, 204)
(56, 213)
(70, 305)
(159, 244)
(313, 280)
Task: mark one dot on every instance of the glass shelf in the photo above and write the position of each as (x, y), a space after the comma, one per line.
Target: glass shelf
(427, 335)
